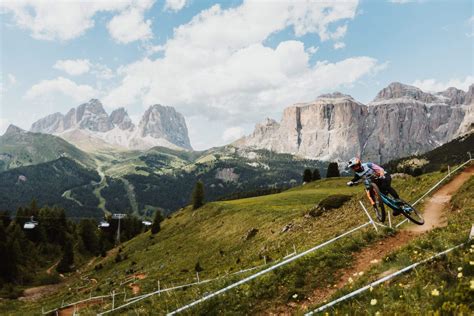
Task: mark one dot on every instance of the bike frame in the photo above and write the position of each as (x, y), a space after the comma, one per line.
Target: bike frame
(385, 199)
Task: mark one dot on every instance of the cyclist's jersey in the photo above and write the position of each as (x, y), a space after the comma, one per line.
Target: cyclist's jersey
(369, 169)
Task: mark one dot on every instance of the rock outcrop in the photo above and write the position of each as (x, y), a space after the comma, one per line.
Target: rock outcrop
(402, 120)
(120, 118)
(164, 122)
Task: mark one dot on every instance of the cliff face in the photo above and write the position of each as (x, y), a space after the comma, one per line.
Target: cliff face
(164, 122)
(402, 120)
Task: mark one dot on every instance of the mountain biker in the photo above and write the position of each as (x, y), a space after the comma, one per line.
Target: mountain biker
(380, 177)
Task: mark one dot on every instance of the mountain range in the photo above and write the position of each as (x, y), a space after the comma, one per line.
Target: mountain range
(137, 169)
(90, 127)
(402, 120)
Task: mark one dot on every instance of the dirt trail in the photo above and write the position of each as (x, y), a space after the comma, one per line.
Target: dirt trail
(435, 206)
(434, 217)
(50, 269)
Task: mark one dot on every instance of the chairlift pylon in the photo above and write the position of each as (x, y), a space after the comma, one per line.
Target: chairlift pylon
(31, 224)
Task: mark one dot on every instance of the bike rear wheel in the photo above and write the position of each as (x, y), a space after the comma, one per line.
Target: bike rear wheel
(411, 213)
(379, 207)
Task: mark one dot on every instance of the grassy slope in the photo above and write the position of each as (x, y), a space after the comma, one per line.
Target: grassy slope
(416, 291)
(214, 237)
(26, 148)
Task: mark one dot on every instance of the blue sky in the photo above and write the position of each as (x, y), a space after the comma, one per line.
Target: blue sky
(225, 65)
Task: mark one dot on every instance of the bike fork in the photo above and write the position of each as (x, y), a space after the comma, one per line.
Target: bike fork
(370, 198)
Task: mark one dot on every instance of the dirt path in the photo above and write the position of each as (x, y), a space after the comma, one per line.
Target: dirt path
(435, 206)
(434, 217)
(50, 269)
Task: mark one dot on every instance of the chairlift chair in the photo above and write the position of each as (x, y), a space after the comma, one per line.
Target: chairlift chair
(31, 224)
(104, 224)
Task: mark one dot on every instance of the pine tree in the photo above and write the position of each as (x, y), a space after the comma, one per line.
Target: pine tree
(198, 195)
(316, 175)
(333, 170)
(68, 257)
(307, 176)
(3, 252)
(87, 232)
(14, 242)
(156, 226)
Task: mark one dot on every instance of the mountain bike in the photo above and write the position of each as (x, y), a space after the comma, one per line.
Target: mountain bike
(379, 200)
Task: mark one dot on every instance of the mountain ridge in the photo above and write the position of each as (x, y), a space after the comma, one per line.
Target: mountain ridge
(402, 120)
(159, 126)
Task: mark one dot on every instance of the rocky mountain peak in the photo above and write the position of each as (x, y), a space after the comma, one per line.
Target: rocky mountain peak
(469, 96)
(397, 90)
(90, 116)
(49, 124)
(334, 95)
(13, 129)
(120, 118)
(160, 121)
(454, 95)
(268, 122)
(159, 126)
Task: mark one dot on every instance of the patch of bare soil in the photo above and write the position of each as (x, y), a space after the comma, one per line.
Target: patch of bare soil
(76, 308)
(135, 288)
(38, 292)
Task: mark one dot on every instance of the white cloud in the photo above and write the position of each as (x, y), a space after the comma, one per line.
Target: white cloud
(217, 65)
(339, 45)
(11, 79)
(102, 71)
(61, 86)
(433, 85)
(312, 50)
(74, 67)
(232, 133)
(174, 5)
(65, 20)
(470, 22)
(227, 52)
(130, 26)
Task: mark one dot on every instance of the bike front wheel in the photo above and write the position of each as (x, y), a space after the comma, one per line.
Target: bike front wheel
(411, 213)
(379, 207)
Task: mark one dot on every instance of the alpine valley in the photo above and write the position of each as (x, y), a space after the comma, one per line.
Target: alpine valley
(91, 162)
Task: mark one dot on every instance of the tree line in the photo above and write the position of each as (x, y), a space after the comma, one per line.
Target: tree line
(55, 238)
(331, 172)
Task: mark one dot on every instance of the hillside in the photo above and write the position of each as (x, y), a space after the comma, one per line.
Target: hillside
(141, 182)
(21, 148)
(49, 183)
(441, 286)
(225, 237)
(451, 153)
